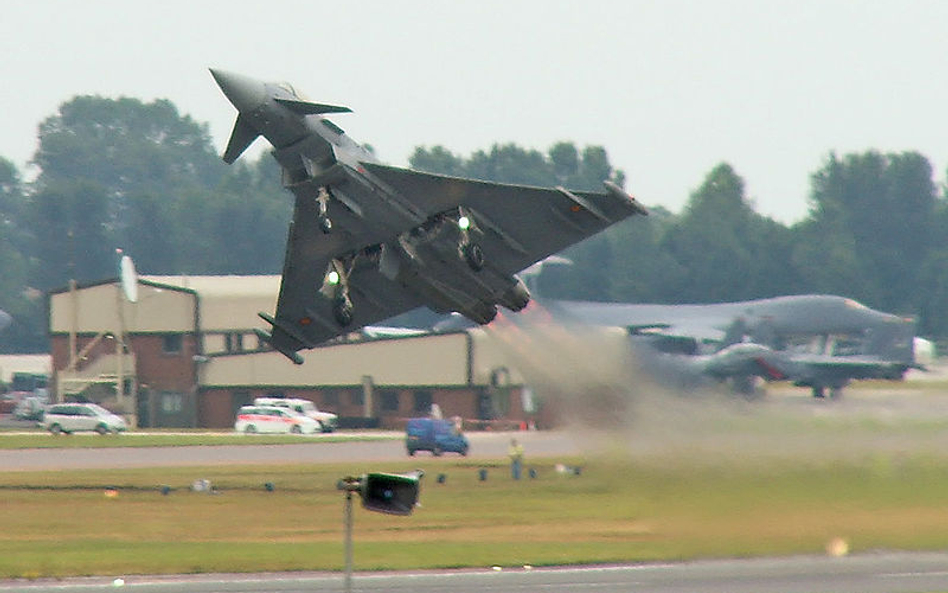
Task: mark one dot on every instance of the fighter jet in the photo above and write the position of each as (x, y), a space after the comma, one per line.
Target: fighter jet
(369, 241)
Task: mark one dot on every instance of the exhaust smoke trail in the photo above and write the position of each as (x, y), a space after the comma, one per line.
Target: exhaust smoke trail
(588, 373)
(610, 394)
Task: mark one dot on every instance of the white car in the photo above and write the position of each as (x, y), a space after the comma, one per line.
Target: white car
(254, 419)
(327, 420)
(68, 418)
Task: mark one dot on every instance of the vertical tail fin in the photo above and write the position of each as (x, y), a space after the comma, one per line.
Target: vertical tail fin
(893, 341)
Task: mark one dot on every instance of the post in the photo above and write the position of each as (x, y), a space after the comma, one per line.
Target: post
(395, 494)
(120, 350)
(368, 407)
(348, 542)
(348, 485)
(73, 323)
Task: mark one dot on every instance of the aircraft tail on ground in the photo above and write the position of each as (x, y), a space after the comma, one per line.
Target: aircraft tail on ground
(893, 341)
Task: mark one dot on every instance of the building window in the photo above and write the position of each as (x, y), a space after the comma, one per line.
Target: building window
(172, 403)
(234, 342)
(423, 401)
(171, 343)
(331, 398)
(389, 401)
(356, 398)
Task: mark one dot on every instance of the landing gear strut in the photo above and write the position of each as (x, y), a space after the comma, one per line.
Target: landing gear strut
(473, 255)
(322, 219)
(470, 251)
(342, 309)
(337, 279)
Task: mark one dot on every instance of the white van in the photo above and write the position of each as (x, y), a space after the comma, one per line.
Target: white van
(68, 418)
(327, 420)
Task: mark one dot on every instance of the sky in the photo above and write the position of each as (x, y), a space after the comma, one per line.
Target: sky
(670, 88)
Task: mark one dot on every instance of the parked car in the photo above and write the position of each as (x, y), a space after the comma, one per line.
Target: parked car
(254, 419)
(327, 420)
(69, 418)
(31, 407)
(435, 435)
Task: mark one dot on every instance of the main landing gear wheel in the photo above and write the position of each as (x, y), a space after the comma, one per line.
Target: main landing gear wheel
(342, 311)
(473, 255)
(325, 224)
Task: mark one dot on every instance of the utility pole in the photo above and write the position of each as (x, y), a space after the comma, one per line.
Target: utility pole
(349, 485)
(393, 494)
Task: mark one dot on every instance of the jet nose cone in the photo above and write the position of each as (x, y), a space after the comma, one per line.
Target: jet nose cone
(244, 92)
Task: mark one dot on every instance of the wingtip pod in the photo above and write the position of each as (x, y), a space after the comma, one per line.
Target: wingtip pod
(620, 193)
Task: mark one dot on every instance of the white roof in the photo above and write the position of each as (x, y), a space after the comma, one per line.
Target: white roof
(228, 302)
(24, 363)
(226, 286)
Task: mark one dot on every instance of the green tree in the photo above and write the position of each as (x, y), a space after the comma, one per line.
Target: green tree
(127, 146)
(437, 159)
(16, 297)
(728, 250)
(509, 163)
(71, 235)
(140, 158)
(643, 271)
(240, 228)
(870, 228)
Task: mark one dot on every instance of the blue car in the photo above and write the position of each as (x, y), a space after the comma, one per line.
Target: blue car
(437, 436)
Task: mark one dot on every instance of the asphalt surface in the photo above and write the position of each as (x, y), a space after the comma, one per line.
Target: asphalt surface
(483, 445)
(872, 573)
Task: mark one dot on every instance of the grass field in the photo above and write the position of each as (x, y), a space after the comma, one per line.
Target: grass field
(687, 478)
(616, 510)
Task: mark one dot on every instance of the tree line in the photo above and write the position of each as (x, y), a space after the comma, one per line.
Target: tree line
(122, 173)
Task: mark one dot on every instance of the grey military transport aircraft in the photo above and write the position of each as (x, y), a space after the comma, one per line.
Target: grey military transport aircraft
(816, 341)
(369, 241)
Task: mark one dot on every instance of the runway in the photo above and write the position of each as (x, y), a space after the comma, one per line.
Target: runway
(483, 446)
(870, 573)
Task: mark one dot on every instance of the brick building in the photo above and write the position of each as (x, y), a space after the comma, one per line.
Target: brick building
(184, 354)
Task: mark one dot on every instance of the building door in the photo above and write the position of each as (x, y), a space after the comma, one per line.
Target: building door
(485, 405)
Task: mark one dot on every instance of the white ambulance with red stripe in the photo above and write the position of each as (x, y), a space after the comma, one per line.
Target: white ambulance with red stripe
(273, 419)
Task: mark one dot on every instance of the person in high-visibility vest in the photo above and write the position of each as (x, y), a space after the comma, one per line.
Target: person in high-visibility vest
(515, 452)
